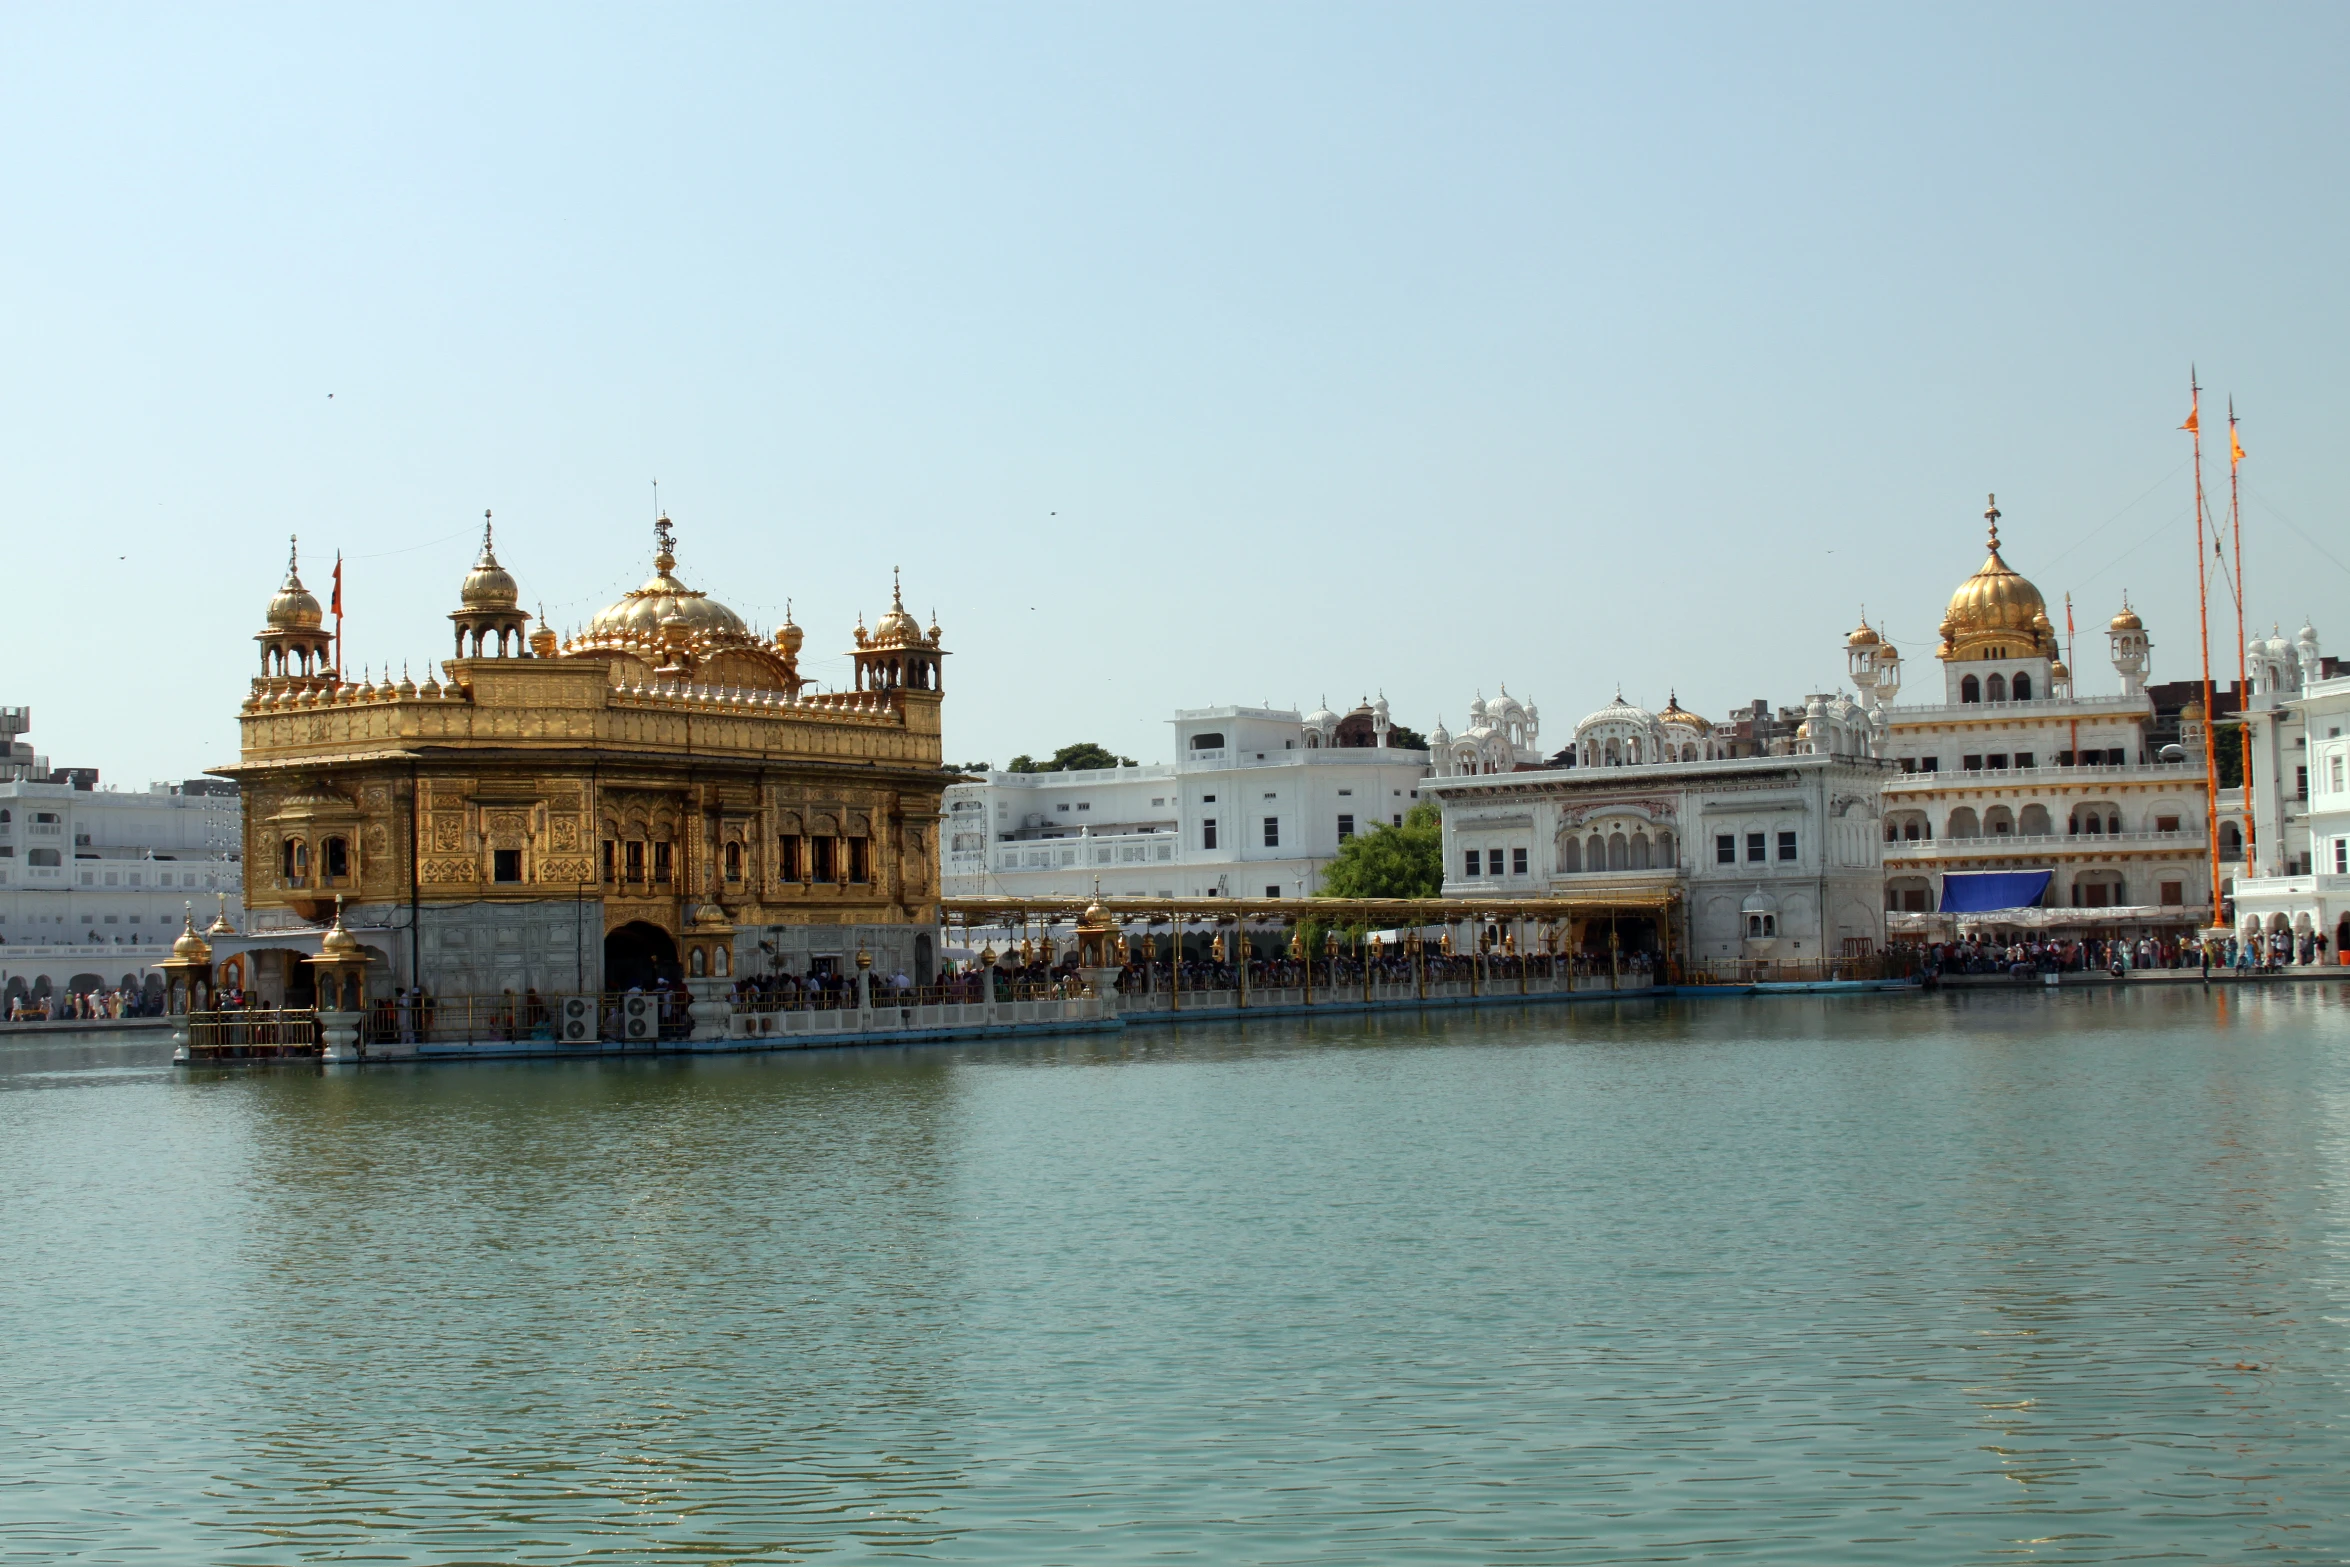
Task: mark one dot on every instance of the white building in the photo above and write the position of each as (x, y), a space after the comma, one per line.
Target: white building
(2301, 804)
(1255, 806)
(1758, 858)
(2011, 770)
(2277, 808)
(1501, 736)
(94, 882)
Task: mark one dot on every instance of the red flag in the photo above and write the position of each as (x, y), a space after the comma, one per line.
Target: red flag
(338, 604)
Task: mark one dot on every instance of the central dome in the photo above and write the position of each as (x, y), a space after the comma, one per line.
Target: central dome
(1996, 613)
(295, 608)
(663, 599)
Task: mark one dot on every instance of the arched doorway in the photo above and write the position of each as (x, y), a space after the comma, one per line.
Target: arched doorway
(638, 956)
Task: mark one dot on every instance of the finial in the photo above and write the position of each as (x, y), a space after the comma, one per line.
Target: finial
(664, 544)
(1991, 516)
(787, 612)
(897, 600)
(293, 557)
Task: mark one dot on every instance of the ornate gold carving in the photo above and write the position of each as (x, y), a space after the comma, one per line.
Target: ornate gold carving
(563, 832)
(444, 872)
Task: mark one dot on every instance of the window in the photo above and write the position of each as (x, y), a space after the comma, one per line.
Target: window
(1272, 892)
(2300, 783)
(1909, 764)
(1517, 862)
(1399, 818)
(1995, 688)
(1346, 827)
(337, 852)
(295, 856)
(823, 859)
(2022, 689)
(662, 861)
(1996, 761)
(1343, 793)
(1973, 764)
(787, 856)
(1471, 862)
(1725, 848)
(610, 859)
(2174, 893)
(1085, 805)
(1210, 740)
(2023, 758)
(636, 859)
(44, 818)
(1207, 799)
(1272, 796)
(2333, 775)
(1272, 832)
(860, 860)
(1786, 846)
(1754, 848)
(1159, 800)
(2342, 856)
(1493, 862)
(1207, 832)
(734, 862)
(2166, 824)
(1931, 764)
(1970, 690)
(505, 865)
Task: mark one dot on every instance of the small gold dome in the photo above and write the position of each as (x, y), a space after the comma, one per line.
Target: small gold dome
(896, 628)
(2192, 713)
(294, 608)
(542, 641)
(191, 948)
(1863, 635)
(2127, 620)
(2057, 671)
(338, 942)
(1675, 713)
(1996, 613)
(488, 585)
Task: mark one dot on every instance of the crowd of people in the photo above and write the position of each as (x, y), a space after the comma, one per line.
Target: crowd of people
(83, 1006)
(2265, 953)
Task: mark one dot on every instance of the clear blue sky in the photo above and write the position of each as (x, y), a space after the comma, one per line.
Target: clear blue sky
(1180, 355)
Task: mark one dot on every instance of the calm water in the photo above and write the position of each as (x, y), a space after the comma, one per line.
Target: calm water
(1924, 1279)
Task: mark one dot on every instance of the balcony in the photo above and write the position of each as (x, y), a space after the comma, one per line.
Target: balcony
(1990, 777)
(1113, 849)
(2032, 845)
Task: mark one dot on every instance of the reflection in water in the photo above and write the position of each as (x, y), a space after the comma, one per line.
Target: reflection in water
(1927, 1279)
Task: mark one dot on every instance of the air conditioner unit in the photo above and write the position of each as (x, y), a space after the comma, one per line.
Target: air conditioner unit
(640, 1018)
(575, 1021)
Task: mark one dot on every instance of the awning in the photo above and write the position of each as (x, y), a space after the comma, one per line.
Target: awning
(1981, 892)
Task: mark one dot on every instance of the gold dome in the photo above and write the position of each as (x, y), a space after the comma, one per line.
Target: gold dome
(640, 616)
(1996, 613)
(337, 941)
(1863, 635)
(896, 628)
(2192, 713)
(788, 636)
(488, 585)
(2127, 620)
(1675, 713)
(294, 609)
(191, 948)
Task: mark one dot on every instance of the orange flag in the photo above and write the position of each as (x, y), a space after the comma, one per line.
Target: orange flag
(2194, 418)
(2235, 447)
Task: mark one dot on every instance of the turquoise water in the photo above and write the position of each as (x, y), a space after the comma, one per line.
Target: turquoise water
(1942, 1279)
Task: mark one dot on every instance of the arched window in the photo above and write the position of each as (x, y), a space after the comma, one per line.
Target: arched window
(5, 817)
(1615, 754)
(1635, 753)
(1570, 855)
(1664, 848)
(44, 857)
(1963, 824)
(1970, 690)
(295, 857)
(1595, 854)
(1619, 852)
(734, 862)
(2022, 688)
(1995, 689)
(1641, 849)
(335, 853)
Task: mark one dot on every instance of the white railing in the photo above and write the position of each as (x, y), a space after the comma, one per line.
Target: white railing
(1138, 848)
(1964, 777)
(1902, 713)
(2040, 843)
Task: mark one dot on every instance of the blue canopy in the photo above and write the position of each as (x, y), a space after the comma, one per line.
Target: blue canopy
(1985, 892)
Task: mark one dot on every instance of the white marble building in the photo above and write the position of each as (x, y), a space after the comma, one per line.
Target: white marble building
(2013, 770)
(1762, 857)
(95, 883)
(2300, 721)
(1256, 805)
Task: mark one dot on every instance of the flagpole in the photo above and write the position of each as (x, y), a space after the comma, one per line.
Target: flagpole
(338, 617)
(2243, 675)
(2194, 427)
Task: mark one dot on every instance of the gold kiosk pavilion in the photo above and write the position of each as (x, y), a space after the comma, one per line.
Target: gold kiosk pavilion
(661, 796)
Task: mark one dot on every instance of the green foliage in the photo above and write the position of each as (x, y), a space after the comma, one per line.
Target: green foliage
(1402, 737)
(1390, 862)
(968, 767)
(1084, 756)
(2227, 744)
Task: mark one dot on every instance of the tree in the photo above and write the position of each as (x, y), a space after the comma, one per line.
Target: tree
(1390, 862)
(1084, 756)
(971, 767)
(1403, 737)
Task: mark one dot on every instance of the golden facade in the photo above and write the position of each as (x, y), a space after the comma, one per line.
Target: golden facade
(662, 794)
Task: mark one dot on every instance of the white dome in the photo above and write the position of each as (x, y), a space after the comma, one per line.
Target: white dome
(1619, 711)
(1759, 903)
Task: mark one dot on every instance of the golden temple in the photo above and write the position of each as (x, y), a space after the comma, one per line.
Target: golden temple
(661, 796)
